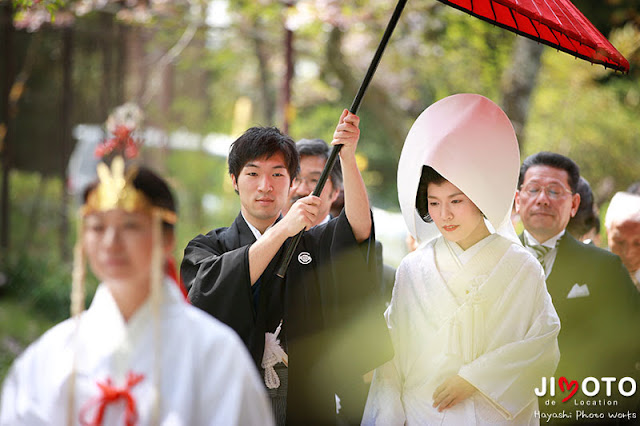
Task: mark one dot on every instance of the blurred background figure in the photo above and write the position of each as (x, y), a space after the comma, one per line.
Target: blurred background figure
(412, 244)
(313, 156)
(634, 188)
(338, 204)
(585, 225)
(623, 231)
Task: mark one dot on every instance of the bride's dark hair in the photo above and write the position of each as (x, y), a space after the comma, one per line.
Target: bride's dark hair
(429, 175)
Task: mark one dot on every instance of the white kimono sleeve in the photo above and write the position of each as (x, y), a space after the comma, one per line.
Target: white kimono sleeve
(237, 396)
(26, 378)
(384, 403)
(10, 402)
(507, 376)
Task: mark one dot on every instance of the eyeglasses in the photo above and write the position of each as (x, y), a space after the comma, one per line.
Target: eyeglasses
(554, 191)
(310, 181)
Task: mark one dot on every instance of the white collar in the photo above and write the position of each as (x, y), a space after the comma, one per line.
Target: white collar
(254, 230)
(551, 242)
(326, 219)
(465, 256)
(105, 334)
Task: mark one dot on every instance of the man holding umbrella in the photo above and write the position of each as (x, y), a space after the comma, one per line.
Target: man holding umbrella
(304, 331)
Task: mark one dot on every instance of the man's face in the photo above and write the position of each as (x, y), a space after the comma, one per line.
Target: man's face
(310, 171)
(545, 202)
(263, 185)
(624, 240)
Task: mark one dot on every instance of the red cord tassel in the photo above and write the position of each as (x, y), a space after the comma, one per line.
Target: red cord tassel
(112, 394)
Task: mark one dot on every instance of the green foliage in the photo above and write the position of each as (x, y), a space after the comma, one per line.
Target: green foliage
(38, 282)
(50, 5)
(316, 121)
(20, 325)
(43, 283)
(34, 298)
(35, 214)
(198, 178)
(574, 114)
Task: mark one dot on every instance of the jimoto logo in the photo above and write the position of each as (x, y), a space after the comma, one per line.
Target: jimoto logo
(592, 399)
(590, 387)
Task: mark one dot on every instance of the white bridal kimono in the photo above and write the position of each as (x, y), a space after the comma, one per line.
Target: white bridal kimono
(206, 376)
(484, 314)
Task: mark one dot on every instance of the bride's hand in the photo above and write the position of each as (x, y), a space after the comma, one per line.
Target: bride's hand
(453, 391)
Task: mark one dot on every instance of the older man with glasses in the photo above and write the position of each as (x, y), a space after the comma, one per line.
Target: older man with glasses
(313, 156)
(591, 290)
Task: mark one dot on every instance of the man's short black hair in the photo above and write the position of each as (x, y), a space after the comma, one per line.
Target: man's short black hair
(319, 148)
(551, 159)
(263, 142)
(429, 175)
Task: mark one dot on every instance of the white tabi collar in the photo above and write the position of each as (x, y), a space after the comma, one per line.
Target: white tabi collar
(326, 219)
(105, 333)
(529, 240)
(465, 256)
(254, 230)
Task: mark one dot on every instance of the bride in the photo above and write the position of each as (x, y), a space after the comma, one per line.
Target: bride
(471, 320)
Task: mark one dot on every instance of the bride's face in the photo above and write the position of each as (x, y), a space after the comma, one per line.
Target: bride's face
(455, 215)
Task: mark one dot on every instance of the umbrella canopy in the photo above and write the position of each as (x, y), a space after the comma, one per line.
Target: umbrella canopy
(556, 23)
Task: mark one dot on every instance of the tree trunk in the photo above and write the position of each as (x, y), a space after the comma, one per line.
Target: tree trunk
(121, 63)
(65, 136)
(288, 74)
(137, 69)
(519, 81)
(6, 130)
(106, 44)
(268, 101)
(167, 78)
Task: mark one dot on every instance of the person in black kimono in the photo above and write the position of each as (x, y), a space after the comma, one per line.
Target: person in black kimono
(314, 153)
(317, 322)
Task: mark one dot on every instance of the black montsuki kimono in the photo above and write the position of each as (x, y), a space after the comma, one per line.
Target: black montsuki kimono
(333, 330)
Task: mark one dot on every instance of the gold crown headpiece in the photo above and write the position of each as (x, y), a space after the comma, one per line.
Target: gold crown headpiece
(115, 190)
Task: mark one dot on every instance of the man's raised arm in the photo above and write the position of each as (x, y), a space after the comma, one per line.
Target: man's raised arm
(356, 201)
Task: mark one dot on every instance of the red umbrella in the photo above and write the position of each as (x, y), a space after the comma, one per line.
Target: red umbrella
(557, 23)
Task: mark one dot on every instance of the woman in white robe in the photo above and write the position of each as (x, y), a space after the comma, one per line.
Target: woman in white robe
(471, 321)
(140, 354)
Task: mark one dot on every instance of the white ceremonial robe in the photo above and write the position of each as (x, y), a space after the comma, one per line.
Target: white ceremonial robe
(206, 374)
(490, 320)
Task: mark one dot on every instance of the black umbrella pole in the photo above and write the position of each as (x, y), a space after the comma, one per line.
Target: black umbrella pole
(331, 161)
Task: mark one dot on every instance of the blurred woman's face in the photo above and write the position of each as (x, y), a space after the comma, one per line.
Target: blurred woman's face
(118, 245)
(455, 215)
